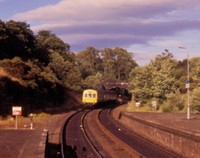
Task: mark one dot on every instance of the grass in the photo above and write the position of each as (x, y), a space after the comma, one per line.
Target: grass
(132, 108)
(24, 122)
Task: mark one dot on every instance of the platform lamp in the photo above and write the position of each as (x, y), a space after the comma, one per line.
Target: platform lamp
(187, 85)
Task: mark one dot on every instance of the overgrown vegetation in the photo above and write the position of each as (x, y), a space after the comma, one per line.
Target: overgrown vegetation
(163, 81)
(37, 70)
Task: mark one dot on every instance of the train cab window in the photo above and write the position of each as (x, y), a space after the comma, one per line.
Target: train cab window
(94, 95)
(90, 95)
(85, 95)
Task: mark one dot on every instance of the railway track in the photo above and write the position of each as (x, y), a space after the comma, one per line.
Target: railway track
(145, 148)
(94, 133)
(75, 142)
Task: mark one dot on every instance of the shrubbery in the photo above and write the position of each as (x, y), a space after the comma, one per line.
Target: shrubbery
(175, 102)
(195, 100)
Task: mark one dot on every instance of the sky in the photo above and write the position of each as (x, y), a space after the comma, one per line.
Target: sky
(144, 27)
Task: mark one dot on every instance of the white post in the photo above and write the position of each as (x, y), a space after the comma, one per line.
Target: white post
(31, 124)
(15, 121)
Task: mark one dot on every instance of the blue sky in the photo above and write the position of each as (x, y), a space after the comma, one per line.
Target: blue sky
(143, 27)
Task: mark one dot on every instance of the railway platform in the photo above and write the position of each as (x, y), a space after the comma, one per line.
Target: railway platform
(170, 130)
(26, 143)
(22, 143)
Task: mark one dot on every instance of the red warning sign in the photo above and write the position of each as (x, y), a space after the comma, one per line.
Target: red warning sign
(17, 110)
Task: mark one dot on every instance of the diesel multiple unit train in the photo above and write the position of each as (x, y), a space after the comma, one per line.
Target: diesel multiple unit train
(92, 96)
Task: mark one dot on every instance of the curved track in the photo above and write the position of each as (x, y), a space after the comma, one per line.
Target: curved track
(75, 143)
(94, 133)
(142, 146)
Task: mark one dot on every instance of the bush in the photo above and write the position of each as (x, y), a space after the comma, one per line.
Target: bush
(174, 103)
(195, 100)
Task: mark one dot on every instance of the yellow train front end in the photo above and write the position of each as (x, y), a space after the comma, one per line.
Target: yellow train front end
(89, 96)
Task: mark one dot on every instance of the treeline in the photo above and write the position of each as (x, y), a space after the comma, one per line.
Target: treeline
(163, 80)
(37, 70)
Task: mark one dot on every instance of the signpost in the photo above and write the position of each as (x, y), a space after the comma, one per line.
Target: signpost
(154, 105)
(187, 84)
(137, 104)
(31, 116)
(16, 111)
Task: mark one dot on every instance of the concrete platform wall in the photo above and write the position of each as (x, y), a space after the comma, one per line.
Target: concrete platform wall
(185, 144)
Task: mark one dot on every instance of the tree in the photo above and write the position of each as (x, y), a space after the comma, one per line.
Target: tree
(89, 61)
(154, 80)
(93, 81)
(66, 71)
(117, 63)
(195, 72)
(174, 103)
(124, 63)
(163, 75)
(180, 73)
(16, 40)
(51, 42)
(195, 99)
(48, 42)
(61, 60)
(26, 62)
(141, 83)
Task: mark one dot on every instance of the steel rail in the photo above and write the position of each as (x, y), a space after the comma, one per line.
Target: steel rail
(86, 137)
(95, 150)
(172, 154)
(63, 135)
(115, 138)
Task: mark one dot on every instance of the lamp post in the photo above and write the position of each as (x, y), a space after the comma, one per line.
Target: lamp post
(188, 88)
(187, 85)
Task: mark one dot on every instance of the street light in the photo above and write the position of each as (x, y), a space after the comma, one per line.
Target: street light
(187, 85)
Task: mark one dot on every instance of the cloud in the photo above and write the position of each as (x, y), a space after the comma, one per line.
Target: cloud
(72, 10)
(115, 22)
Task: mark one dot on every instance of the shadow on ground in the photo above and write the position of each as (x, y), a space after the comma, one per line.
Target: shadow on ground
(52, 150)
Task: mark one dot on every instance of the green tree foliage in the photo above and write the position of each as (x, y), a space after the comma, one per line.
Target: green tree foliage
(93, 81)
(195, 72)
(195, 99)
(155, 80)
(32, 83)
(51, 42)
(124, 63)
(62, 61)
(175, 102)
(89, 62)
(16, 39)
(163, 75)
(164, 79)
(141, 83)
(27, 73)
(181, 75)
(39, 68)
(67, 72)
(111, 63)
(35, 71)
(117, 63)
